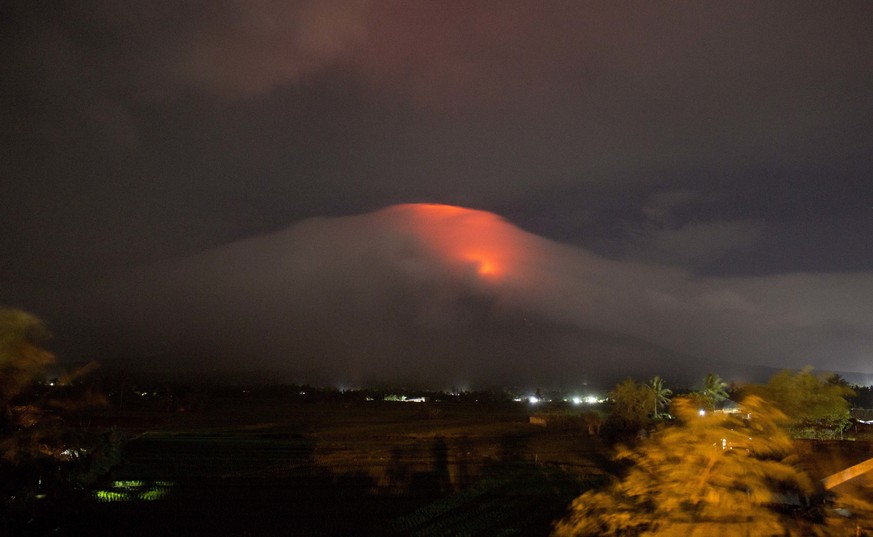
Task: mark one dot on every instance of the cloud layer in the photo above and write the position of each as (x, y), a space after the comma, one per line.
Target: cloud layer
(431, 293)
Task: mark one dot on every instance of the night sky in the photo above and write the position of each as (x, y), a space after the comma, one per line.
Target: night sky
(240, 185)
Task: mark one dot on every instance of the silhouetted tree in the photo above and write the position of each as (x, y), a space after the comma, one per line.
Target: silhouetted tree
(863, 397)
(662, 396)
(632, 404)
(836, 378)
(714, 391)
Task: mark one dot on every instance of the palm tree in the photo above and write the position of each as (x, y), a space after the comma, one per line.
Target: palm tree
(662, 396)
(714, 390)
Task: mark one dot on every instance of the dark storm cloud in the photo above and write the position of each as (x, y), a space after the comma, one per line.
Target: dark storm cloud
(383, 296)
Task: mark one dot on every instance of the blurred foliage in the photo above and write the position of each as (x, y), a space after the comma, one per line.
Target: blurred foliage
(712, 474)
(45, 450)
(22, 359)
(716, 473)
(817, 408)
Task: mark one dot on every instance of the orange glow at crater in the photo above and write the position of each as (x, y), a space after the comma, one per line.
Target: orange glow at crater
(485, 267)
(478, 241)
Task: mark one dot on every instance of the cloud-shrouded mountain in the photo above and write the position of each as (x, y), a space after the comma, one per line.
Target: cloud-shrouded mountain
(439, 294)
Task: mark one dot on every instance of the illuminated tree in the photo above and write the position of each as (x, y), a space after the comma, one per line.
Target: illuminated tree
(662, 396)
(816, 408)
(713, 474)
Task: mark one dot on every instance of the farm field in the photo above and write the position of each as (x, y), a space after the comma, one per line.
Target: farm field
(239, 466)
(273, 466)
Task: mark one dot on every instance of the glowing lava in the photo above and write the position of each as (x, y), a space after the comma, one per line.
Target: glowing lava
(485, 267)
(476, 241)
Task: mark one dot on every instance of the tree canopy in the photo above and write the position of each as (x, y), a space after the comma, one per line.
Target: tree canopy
(816, 407)
(714, 391)
(662, 397)
(711, 474)
(632, 405)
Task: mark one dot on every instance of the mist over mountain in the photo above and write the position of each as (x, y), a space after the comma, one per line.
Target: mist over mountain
(441, 295)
